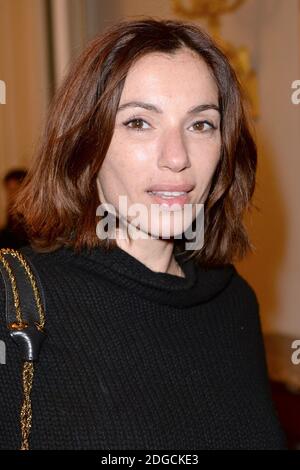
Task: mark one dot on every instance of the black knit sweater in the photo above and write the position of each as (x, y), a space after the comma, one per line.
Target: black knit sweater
(137, 359)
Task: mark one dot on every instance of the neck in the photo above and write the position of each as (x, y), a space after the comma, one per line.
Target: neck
(156, 254)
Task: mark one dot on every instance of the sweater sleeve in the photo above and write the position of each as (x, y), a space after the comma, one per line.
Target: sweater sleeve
(254, 357)
(10, 383)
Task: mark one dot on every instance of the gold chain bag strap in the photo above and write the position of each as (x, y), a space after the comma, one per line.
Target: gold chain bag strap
(25, 319)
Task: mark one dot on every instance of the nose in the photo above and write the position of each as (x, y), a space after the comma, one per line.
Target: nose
(173, 154)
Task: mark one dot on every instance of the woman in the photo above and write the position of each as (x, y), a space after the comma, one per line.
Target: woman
(152, 343)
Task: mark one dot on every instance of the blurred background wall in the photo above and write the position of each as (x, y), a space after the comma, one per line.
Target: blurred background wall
(39, 39)
(24, 69)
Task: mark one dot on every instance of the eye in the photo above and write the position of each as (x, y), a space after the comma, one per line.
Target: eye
(137, 124)
(204, 126)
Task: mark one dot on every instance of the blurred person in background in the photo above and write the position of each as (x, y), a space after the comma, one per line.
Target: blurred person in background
(12, 235)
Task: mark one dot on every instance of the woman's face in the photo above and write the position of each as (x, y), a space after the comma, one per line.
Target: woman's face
(161, 142)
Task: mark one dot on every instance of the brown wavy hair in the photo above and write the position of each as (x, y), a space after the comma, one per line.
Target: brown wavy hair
(59, 198)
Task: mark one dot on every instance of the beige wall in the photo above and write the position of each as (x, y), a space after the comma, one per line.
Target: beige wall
(69, 33)
(274, 270)
(23, 67)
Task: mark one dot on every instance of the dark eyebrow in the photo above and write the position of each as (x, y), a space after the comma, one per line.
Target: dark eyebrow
(152, 107)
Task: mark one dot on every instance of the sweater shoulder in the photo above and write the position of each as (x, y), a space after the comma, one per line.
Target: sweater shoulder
(244, 293)
(244, 287)
(244, 306)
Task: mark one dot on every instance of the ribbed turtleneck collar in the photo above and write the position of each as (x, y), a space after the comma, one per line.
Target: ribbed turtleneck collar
(198, 285)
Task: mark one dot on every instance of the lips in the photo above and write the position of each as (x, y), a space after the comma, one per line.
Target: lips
(168, 187)
(169, 199)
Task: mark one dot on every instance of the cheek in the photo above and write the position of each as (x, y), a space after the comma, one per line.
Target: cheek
(130, 155)
(121, 171)
(206, 158)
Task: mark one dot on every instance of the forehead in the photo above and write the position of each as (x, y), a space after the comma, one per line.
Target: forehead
(183, 73)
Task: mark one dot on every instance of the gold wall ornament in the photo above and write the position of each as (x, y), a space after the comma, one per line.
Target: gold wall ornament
(239, 57)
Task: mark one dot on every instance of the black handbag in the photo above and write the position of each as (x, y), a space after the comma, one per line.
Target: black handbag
(25, 320)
